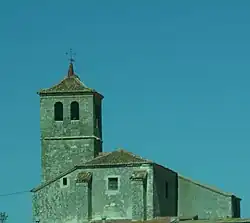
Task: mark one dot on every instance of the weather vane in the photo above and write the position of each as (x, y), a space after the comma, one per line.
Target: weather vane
(71, 55)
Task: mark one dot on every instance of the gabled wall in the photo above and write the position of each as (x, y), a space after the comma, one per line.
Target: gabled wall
(196, 199)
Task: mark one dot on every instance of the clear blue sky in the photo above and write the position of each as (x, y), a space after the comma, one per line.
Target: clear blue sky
(175, 76)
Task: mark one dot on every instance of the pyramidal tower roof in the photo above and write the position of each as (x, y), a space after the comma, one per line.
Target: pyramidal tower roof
(70, 84)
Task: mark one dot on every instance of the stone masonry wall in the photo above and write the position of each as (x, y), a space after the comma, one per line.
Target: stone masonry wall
(69, 142)
(61, 155)
(197, 200)
(51, 128)
(55, 203)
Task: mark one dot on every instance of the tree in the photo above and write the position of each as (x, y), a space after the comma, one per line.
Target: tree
(3, 217)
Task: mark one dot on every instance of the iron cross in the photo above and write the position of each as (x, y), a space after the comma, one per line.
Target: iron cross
(71, 55)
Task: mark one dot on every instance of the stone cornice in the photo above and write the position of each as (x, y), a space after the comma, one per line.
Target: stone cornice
(71, 138)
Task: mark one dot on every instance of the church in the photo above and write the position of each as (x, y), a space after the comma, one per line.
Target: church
(81, 183)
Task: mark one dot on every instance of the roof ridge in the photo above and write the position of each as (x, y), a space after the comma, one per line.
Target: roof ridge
(68, 83)
(117, 156)
(130, 153)
(137, 156)
(77, 78)
(212, 188)
(53, 179)
(98, 157)
(104, 154)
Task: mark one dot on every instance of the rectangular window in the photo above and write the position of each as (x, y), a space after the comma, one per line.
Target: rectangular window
(113, 183)
(65, 181)
(166, 189)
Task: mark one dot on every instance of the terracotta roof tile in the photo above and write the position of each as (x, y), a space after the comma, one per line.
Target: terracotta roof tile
(117, 157)
(68, 84)
(109, 158)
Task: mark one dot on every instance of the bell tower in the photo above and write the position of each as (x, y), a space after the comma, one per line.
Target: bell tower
(71, 125)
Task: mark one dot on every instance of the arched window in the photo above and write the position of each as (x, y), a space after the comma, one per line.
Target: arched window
(74, 110)
(58, 111)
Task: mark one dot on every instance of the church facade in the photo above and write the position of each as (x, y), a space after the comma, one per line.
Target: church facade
(82, 183)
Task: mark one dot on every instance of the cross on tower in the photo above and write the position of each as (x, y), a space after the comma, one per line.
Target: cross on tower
(71, 55)
(71, 61)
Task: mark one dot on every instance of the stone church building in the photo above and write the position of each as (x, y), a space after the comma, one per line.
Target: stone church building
(82, 183)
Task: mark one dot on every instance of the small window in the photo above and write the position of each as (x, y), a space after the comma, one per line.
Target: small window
(74, 110)
(65, 181)
(166, 189)
(58, 111)
(113, 183)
